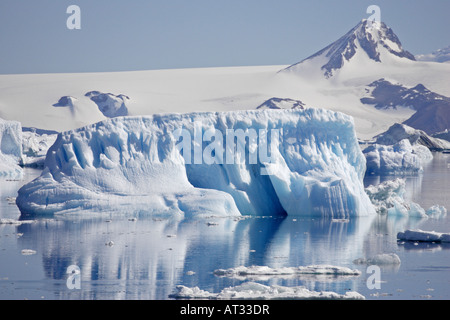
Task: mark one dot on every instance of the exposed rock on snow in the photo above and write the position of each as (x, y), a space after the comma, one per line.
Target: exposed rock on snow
(109, 104)
(10, 149)
(253, 290)
(399, 132)
(279, 103)
(315, 167)
(65, 101)
(443, 135)
(401, 150)
(440, 55)
(426, 236)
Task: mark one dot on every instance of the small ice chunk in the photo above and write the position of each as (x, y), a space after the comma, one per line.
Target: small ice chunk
(379, 259)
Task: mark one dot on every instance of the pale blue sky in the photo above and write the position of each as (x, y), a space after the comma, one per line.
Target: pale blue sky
(120, 35)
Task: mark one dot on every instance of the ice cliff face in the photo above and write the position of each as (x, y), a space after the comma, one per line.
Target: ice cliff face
(10, 149)
(311, 166)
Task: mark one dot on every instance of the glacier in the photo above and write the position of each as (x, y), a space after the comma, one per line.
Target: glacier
(135, 165)
(10, 149)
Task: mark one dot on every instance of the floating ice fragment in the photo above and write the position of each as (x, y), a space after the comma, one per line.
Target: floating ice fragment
(423, 236)
(253, 290)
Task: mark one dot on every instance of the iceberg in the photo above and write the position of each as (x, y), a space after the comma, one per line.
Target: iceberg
(243, 271)
(299, 162)
(10, 149)
(425, 236)
(254, 290)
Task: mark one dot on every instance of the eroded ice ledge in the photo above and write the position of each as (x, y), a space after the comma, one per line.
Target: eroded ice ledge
(129, 164)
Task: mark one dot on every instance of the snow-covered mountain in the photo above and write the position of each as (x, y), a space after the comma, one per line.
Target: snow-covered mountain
(336, 78)
(375, 42)
(432, 109)
(440, 55)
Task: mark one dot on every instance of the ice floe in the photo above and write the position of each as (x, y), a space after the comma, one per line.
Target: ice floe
(253, 290)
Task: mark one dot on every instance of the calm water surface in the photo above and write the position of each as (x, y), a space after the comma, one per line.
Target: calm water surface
(145, 258)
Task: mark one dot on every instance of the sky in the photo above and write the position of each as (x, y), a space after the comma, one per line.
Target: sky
(119, 35)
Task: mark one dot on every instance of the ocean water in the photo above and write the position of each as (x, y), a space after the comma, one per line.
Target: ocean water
(147, 257)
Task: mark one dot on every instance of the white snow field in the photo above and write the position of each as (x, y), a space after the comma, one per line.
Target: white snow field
(253, 290)
(315, 167)
(10, 149)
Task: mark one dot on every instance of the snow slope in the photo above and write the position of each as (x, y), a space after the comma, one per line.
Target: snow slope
(315, 167)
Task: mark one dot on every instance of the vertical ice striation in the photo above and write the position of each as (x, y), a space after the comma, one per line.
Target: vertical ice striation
(10, 149)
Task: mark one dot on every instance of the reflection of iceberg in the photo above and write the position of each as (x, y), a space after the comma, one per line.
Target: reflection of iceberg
(150, 256)
(133, 163)
(320, 273)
